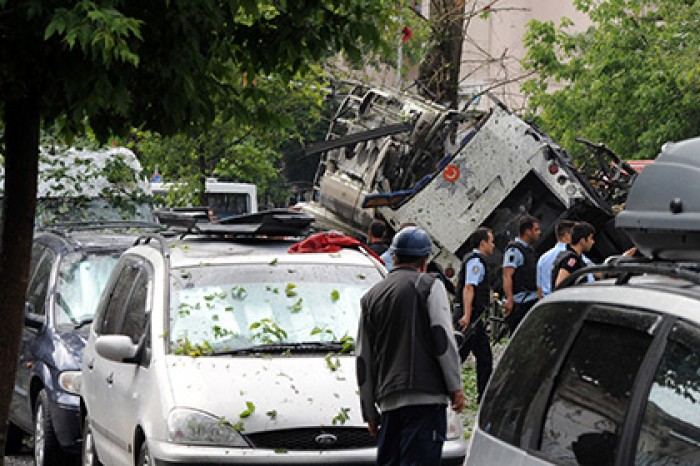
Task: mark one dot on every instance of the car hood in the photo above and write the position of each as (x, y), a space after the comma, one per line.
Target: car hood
(281, 392)
(71, 343)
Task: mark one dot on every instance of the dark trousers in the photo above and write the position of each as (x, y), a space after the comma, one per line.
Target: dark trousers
(412, 435)
(478, 343)
(517, 314)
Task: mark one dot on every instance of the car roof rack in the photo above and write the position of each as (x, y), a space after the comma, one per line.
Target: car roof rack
(183, 217)
(67, 227)
(274, 222)
(624, 268)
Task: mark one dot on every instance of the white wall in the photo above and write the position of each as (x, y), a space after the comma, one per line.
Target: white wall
(500, 36)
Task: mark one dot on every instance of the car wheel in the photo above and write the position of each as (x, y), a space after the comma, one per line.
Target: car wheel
(47, 450)
(90, 457)
(13, 440)
(144, 455)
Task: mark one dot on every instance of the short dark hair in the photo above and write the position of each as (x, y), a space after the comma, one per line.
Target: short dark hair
(563, 227)
(526, 222)
(377, 228)
(479, 235)
(581, 230)
(409, 260)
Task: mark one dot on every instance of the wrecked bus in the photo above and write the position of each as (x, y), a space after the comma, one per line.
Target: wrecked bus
(405, 159)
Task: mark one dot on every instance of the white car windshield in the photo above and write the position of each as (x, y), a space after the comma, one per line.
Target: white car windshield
(81, 279)
(232, 308)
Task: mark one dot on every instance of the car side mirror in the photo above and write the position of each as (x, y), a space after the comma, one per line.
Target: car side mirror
(117, 348)
(31, 319)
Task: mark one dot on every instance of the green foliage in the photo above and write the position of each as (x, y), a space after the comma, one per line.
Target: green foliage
(632, 80)
(268, 332)
(250, 409)
(245, 141)
(184, 347)
(172, 65)
(342, 417)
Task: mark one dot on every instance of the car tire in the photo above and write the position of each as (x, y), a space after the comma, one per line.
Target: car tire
(47, 450)
(13, 440)
(144, 455)
(89, 456)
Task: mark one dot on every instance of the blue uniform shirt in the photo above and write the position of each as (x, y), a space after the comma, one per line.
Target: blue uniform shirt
(388, 259)
(514, 258)
(544, 268)
(475, 271)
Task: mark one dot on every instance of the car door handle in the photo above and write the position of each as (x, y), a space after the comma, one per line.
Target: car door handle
(110, 378)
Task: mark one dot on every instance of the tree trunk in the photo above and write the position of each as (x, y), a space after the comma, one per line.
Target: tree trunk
(439, 71)
(22, 122)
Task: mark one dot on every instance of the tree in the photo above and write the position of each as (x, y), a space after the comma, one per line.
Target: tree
(439, 71)
(631, 80)
(110, 65)
(234, 150)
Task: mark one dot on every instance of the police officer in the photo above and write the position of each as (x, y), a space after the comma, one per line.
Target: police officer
(572, 259)
(520, 272)
(546, 262)
(475, 300)
(408, 367)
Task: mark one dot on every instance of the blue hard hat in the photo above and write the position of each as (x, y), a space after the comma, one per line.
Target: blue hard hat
(412, 242)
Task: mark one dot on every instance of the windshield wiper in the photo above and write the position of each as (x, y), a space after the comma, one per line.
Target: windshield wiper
(303, 347)
(82, 322)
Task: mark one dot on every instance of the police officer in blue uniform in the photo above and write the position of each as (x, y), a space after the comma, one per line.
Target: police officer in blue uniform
(520, 272)
(475, 298)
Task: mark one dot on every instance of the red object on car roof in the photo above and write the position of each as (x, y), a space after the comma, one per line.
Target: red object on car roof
(331, 241)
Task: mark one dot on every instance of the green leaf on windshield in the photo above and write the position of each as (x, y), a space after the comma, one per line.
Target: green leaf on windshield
(335, 295)
(274, 262)
(272, 414)
(296, 307)
(290, 290)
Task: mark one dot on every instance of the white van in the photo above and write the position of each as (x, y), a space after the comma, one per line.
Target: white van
(225, 198)
(231, 351)
(89, 186)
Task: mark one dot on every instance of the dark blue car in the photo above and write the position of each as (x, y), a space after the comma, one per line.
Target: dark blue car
(69, 270)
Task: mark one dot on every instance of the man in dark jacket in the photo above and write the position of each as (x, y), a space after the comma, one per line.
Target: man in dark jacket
(408, 368)
(376, 237)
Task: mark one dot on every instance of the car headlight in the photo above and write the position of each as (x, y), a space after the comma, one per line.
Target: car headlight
(192, 427)
(455, 428)
(70, 381)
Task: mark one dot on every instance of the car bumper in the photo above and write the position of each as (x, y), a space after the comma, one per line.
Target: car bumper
(65, 417)
(167, 454)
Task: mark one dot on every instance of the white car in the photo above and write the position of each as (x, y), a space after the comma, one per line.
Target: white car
(222, 351)
(608, 373)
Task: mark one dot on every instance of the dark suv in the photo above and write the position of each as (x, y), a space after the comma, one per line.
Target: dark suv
(608, 373)
(69, 270)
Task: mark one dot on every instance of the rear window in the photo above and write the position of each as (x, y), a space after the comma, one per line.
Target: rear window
(670, 433)
(584, 419)
(563, 384)
(216, 308)
(528, 363)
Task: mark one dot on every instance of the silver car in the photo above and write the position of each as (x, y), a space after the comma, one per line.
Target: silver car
(229, 351)
(599, 374)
